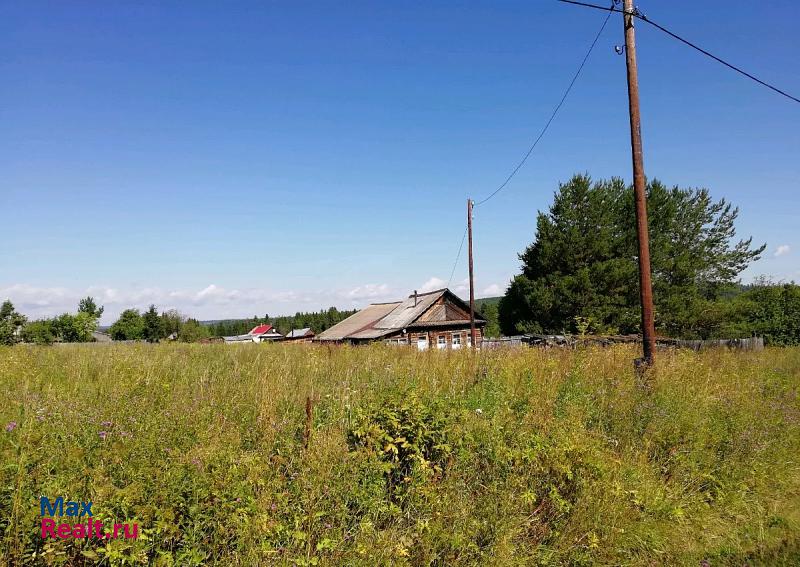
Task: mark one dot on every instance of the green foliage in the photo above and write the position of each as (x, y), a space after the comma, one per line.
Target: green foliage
(89, 306)
(317, 321)
(765, 309)
(191, 330)
(152, 325)
(490, 312)
(69, 330)
(171, 322)
(583, 261)
(129, 326)
(39, 332)
(409, 436)
(67, 327)
(526, 457)
(11, 324)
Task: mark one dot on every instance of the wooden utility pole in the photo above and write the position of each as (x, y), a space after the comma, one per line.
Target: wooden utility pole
(645, 284)
(471, 279)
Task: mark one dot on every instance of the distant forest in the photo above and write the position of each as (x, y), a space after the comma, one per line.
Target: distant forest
(318, 321)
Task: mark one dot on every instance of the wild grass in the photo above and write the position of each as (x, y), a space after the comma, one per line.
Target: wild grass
(505, 458)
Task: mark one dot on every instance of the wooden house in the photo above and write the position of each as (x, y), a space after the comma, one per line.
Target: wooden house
(437, 320)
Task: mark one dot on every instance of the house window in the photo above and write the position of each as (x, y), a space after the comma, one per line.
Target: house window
(441, 342)
(422, 342)
(456, 340)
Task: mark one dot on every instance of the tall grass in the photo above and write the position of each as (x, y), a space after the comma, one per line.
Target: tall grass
(504, 458)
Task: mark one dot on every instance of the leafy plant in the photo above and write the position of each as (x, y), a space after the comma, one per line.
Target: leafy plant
(405, 434)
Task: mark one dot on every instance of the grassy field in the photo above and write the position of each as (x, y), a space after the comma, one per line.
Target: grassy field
(506, 458)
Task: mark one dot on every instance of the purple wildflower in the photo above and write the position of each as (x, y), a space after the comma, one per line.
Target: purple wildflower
(103, 435)
(273, 506)
(107, 423)
(12, 425)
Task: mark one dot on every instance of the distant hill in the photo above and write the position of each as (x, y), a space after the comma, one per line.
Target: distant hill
(484, 301)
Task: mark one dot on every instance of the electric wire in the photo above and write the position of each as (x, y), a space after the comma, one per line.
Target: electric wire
(637, 14)
(458, 257)
(552, 116)
(535, 142)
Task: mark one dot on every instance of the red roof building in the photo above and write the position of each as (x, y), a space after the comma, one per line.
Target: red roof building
(259, 330)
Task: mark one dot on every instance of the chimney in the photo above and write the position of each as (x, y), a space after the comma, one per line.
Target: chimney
(415, 298)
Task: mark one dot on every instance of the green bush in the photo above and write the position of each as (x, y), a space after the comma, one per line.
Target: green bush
(407, 435)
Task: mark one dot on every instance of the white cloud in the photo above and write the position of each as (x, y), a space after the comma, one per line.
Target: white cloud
(461, 287)
(493, 290)
(368, 291)
(432, 284)
(210, 302)
(782, 250)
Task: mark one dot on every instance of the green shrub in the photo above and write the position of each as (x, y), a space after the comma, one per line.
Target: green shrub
(405, 434)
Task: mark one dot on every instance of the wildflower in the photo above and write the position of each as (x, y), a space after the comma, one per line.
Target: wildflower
(12, 425)
(273, 507)
(107, 423)
(103, 435)
(479, 411)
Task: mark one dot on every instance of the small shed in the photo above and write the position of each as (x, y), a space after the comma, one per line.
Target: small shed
(300, 335)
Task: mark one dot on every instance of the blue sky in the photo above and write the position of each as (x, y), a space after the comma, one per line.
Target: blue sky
(238, 158)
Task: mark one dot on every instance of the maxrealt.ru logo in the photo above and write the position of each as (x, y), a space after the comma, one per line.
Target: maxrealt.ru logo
(71, 509)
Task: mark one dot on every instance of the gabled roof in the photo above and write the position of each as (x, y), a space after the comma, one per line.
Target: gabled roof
(380, 319)
(298, 333)
(357, 322)
(408, 311)
(260, 330)
(238, 339)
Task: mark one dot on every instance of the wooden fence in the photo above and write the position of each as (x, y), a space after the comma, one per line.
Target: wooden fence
(572, 341)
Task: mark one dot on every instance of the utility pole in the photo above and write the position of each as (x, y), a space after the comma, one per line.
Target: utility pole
(471, 279)
(645, 284)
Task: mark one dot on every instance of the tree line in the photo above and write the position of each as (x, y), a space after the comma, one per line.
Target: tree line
(150, 325)
(67, 327)
(580, 272)
(318, 321)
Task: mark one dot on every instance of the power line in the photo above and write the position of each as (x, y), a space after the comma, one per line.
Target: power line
(552, 116)
(637, 14)
(535, 142)
(458, 256)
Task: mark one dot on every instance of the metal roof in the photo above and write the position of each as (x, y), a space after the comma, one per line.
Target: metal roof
(380, 319)
(451, 323)
(260, 329)
(238, 339)
(357, 322)
(298, 333)
(371, 334)
(408, 311)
